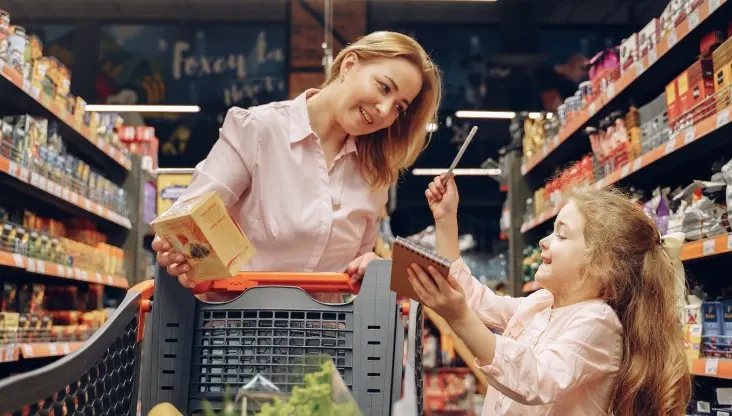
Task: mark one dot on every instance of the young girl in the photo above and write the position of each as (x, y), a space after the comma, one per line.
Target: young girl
(306, 179)
(601, 338)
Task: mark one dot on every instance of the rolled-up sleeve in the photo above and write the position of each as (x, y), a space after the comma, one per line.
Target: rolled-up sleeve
(493, 310)
(229, 167)
(589, 348)
(371, 232)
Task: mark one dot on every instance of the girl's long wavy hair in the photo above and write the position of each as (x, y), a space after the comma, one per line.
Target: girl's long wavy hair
(385, 154)
(636, 278)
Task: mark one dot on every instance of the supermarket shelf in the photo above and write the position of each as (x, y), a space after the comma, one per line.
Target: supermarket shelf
(711, 367)
(708, 247)
(10, 353)
(705, 133)
(637, 78)
(56, 270)
(35, 102)
(460, 348)
(60, 193)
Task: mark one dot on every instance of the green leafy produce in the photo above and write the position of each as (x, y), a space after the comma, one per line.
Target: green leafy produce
(315, 398)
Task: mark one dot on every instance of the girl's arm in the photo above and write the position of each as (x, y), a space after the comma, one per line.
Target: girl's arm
(588, 349)
(492, 310)
(228, 167)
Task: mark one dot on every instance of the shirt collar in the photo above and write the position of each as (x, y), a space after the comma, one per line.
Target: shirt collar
(300, 122)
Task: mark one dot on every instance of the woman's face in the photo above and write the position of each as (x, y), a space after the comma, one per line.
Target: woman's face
(374, 93)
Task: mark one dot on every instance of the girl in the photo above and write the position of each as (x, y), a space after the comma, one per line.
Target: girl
(306, 179)
(602, 337)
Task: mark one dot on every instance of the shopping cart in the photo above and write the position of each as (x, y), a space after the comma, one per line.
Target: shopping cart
(196, 351)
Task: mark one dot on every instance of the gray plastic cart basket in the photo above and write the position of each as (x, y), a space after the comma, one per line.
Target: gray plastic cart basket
(194, 350)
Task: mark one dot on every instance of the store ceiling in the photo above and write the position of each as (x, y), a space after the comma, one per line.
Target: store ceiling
(550, 12)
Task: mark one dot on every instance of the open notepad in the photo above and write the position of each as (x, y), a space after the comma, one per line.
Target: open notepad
(404, 254)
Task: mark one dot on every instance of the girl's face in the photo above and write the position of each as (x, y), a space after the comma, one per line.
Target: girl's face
(562, 252)
(374, 93)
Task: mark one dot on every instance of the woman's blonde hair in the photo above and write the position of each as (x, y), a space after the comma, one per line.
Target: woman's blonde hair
(636, 278)
(385, 154)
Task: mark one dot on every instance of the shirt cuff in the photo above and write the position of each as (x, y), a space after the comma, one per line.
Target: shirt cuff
(499, 359)
(460, 270)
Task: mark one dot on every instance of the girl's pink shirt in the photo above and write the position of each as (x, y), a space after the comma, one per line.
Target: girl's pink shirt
(269, 168)
(549, 361)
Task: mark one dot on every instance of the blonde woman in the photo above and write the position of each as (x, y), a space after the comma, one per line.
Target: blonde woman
(307, 178)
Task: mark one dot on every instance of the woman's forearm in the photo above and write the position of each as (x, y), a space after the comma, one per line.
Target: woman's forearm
(446, 238)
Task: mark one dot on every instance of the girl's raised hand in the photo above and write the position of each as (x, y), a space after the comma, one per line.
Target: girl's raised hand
(442, 197)
(439, 293)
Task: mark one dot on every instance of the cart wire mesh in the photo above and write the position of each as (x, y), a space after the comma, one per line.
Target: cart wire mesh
(107, 386)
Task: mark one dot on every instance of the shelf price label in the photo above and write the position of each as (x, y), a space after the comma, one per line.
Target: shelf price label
(65, 348)
(74, 197)
(87, 205)
(27, 350)
(611, 90)
(637, 164)
(693, 19)
(711, 365)
(713, 5)
(689, 135)
(18, 261)
(545, 150)
(65, 194)
(593, 110)
(53, 349)
(555, 141)
(729, 242)
(625, 171)
(723, 117)
(652, 56)
(670, 145)
(41, 267)
(13, 169)
(99, 278)
(31, 266)
(708, 247)
(671, 39)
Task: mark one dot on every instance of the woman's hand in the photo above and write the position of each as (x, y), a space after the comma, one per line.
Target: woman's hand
(357, 268)
(442, 295)
(442, 197)
(174, 262)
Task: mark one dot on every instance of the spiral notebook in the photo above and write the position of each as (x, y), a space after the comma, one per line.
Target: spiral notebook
(404, 254)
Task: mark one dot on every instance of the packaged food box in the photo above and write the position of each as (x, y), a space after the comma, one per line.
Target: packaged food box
(202, 229)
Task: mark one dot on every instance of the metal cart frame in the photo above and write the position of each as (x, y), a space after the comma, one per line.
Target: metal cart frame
(193, 349)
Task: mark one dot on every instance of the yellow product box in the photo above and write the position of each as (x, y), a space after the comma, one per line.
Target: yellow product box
(202, 229)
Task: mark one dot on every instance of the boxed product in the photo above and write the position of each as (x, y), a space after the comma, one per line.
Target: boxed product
(699, 79)
(722, 63)
(202, 229)
(629, 52)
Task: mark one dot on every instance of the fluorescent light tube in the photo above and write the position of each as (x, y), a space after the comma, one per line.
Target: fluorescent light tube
(485, 114)
(461, 172)
(114, 108)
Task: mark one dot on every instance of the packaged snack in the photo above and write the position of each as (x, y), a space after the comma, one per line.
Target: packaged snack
(202, 230)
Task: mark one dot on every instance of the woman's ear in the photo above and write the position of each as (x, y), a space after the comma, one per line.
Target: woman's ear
(350, 61)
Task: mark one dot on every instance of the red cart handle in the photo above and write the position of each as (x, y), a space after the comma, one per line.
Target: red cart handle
(309, 282)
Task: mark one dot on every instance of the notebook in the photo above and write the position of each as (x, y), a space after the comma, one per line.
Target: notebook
(404, 254)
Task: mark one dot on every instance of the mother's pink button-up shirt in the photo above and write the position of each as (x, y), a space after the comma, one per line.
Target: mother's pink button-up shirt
(270, 169)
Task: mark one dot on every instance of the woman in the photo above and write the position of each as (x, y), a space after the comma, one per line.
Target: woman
(305, 179)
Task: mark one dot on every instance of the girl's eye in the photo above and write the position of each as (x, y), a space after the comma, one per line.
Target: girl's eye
(400, 108)
(561, 237)
(385, 87)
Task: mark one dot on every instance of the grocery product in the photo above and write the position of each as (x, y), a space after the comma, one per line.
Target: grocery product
(202, 229)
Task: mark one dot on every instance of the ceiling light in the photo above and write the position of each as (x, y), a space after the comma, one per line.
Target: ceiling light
(461, 172)
(485, 114)
(113, 108)
(534, 116)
